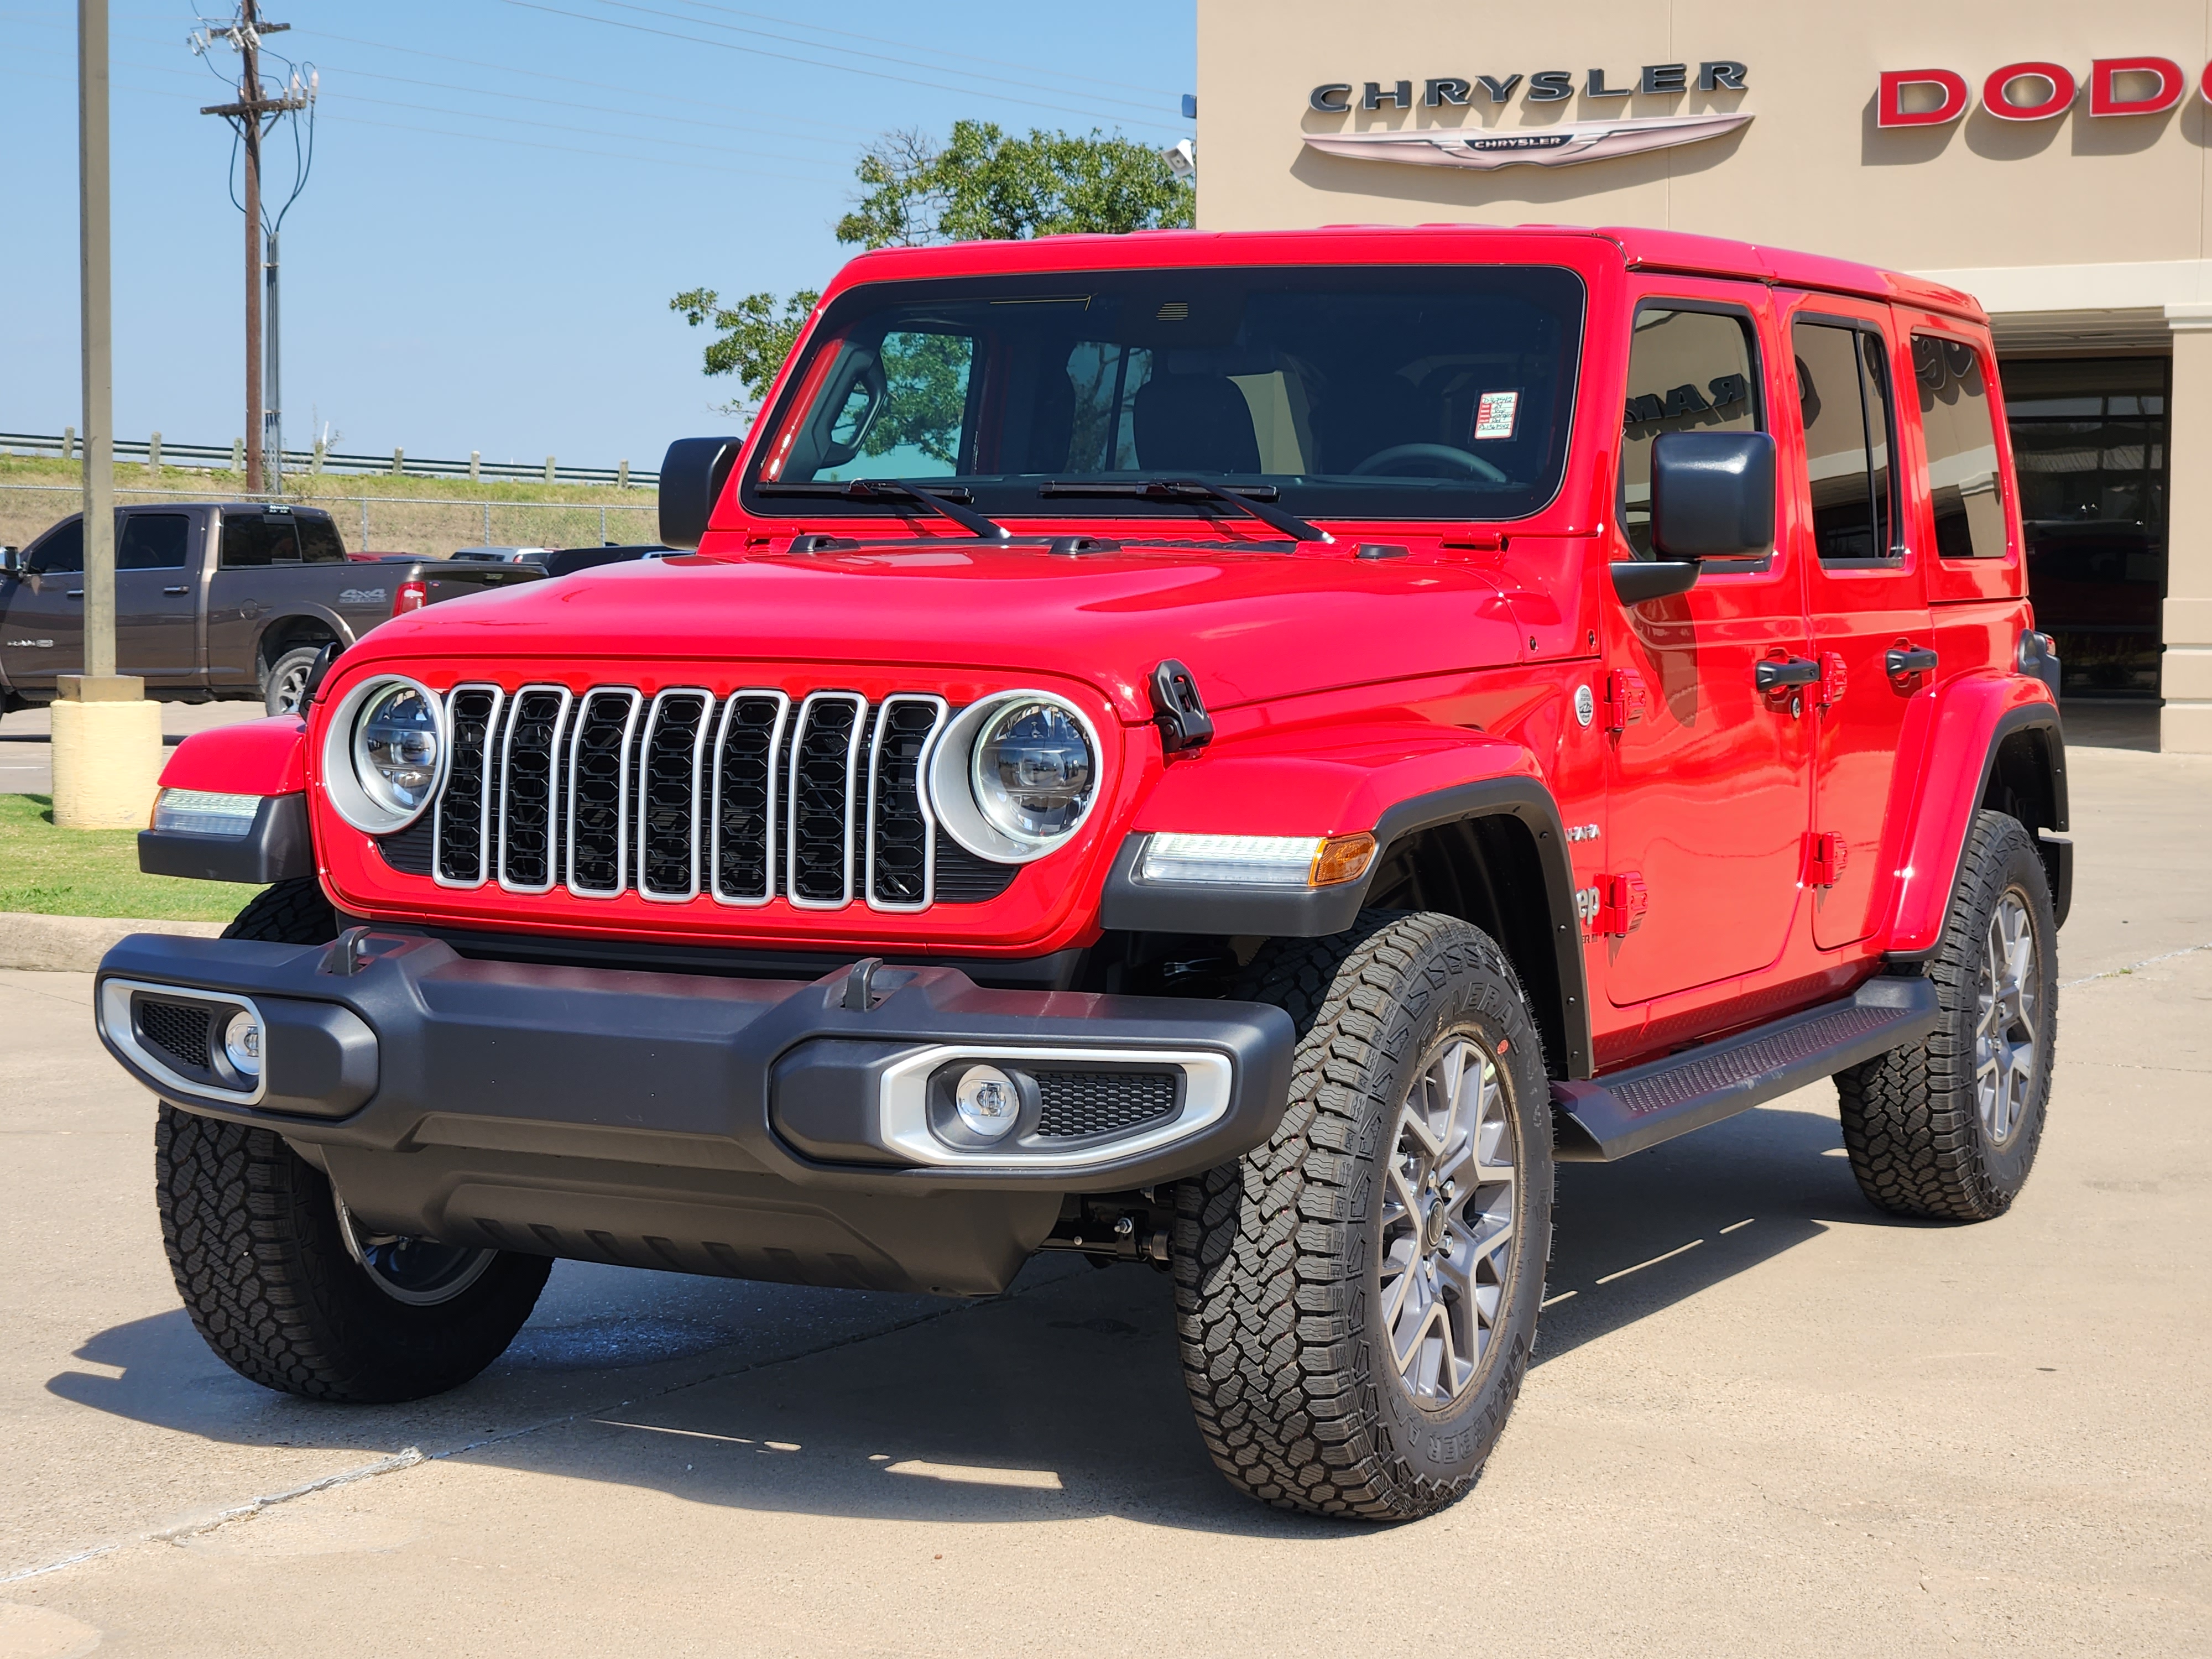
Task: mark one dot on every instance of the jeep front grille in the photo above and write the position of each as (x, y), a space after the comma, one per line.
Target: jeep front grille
(742, 799)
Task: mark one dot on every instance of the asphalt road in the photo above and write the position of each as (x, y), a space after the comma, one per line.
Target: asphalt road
(1764, 1420)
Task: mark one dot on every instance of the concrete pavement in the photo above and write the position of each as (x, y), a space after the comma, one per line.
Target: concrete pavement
(1765, 1420)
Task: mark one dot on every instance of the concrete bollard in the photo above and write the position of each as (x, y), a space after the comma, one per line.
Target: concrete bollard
(476, 462)
(69, 443)
(622, 475)
(238, 454)
(549, 469)
(154, 456)
(321, 450)
(107, 753)
(398, 462)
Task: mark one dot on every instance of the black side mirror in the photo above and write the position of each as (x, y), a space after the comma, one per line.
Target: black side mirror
(692, 475)
(1712, 495)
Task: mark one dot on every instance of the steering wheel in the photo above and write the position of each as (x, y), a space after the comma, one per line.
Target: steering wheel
(1471, 466)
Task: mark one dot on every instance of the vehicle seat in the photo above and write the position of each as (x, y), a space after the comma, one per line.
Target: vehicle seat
(1195, 423)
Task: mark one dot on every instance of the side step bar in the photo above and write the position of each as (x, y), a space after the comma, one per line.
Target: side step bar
(1625, 1111)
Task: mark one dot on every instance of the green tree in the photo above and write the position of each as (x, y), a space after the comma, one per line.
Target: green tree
(982, 184)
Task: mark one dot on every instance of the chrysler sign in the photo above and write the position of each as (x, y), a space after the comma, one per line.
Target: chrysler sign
(1485, 148)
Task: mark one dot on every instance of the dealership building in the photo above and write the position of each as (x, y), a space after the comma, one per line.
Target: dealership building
(2052, 161)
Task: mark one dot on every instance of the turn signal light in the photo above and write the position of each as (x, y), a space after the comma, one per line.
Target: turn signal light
(413, 595)
(1343, 858)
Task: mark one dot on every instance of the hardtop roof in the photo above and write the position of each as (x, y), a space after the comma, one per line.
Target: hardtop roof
(1640, 249)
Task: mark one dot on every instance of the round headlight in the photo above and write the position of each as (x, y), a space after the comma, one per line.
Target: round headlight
(1034, 770)
(385, 753)
(395, 748)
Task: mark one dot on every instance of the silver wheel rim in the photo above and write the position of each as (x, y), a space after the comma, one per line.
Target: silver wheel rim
(289, 686)
(419, 1271)
(1447, 1216)
(2010, 1020)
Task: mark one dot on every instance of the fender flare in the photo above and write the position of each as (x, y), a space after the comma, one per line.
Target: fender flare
(1971, 729)
(305, 610)
(1258, 793)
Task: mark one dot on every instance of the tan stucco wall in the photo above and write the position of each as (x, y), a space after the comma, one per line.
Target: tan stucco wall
(1811, 171)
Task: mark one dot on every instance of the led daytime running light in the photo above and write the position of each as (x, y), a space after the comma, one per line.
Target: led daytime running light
(1288, 861)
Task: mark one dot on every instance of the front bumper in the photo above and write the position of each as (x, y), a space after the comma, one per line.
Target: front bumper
(757, 1127)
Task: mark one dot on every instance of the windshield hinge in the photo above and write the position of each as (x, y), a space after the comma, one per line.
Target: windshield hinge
(1178, 710)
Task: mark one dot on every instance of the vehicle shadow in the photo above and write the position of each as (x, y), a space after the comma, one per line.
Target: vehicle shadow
(1064, 1401)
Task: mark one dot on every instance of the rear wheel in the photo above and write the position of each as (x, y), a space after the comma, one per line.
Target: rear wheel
(289, 1288)
(286, 688)
(1947, 1127)
(1356, 1299)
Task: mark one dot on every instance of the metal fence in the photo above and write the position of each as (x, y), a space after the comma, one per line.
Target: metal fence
(156, 450)
(426, 527)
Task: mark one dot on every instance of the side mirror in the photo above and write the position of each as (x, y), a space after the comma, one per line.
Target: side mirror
(692, 475)
(11, 560)
(1712, 495)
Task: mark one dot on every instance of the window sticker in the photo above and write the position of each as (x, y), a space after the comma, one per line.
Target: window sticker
(1494, 414)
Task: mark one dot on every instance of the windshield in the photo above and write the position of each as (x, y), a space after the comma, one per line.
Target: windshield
(1372, 392)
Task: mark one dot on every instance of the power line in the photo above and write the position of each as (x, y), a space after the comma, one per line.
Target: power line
(915, 45)
(595, 132)
(757, 52)
(854, 52)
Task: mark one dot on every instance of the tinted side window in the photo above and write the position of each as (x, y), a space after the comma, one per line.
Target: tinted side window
(1842, 393)
(152, 541)
(1688, 371)
(319, 543)
(251, 541)
(1962, 449)
(63, 550)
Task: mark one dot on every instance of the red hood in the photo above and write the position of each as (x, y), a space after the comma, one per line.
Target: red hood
(1253, 627)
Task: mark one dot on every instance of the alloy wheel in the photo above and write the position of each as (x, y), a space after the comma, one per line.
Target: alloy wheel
(2010, 1020)
(1448, 1214)
(419, 1271)
(291, 688)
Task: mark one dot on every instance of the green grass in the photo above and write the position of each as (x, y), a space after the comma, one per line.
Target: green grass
(94, 873)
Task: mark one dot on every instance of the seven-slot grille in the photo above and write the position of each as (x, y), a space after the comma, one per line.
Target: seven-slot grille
(746, 797)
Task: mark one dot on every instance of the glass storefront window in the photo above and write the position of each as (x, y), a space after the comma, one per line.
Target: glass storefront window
(2089, 439)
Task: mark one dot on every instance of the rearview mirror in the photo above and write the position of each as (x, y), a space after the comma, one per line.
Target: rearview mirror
(692, 475)
(1712, 495)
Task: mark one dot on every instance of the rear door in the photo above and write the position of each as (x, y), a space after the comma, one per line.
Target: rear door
(1866, 586)
(157, 608)
(1709, 782)
(254, 544)
(43, 634)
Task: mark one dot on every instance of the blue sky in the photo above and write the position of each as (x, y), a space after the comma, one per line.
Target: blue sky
(504, 197)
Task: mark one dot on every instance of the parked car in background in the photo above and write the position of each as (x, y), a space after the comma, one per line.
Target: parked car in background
(501, 555)
(212, 601)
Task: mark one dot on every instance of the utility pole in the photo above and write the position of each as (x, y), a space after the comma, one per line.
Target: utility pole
(107, 738)
(246, 32)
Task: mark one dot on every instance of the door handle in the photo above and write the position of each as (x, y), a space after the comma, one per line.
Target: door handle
(76, 593)
(176, 590)
(1905, 659)
(1773, 675)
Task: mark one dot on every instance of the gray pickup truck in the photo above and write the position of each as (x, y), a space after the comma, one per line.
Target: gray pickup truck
(212, 601)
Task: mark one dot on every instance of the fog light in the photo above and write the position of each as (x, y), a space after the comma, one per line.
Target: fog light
(241, 1042)
(987, 1101)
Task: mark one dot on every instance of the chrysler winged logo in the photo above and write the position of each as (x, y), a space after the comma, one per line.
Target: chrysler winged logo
(1485, 148)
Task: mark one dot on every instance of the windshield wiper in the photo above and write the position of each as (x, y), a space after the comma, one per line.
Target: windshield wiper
(862, 489)
(1170, 489)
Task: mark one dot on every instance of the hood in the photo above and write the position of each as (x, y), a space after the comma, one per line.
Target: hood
(1253, 627)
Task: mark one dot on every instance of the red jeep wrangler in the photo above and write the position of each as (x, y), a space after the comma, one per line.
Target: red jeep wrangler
(1228, 752)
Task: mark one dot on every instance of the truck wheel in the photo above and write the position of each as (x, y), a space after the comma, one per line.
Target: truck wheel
(1356, 1299)
(288, 1289)
(1947, 1127)
(287, 685)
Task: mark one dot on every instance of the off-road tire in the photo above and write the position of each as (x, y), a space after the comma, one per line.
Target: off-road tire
(286, 678)
(1278, 1292)
(252, 1236)
(1912, 1124)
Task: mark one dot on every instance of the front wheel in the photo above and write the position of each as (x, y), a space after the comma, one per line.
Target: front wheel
(287, 685)
(1356, 1299)
(289, 1287)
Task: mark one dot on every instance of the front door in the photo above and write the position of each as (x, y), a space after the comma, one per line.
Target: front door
(1709, 784)
(156, 611)
(43, 632)
(1867, 592)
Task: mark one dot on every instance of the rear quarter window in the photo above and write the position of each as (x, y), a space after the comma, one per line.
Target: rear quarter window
(1961, 441)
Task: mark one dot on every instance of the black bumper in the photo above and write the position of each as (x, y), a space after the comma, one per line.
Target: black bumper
(656, 1118)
